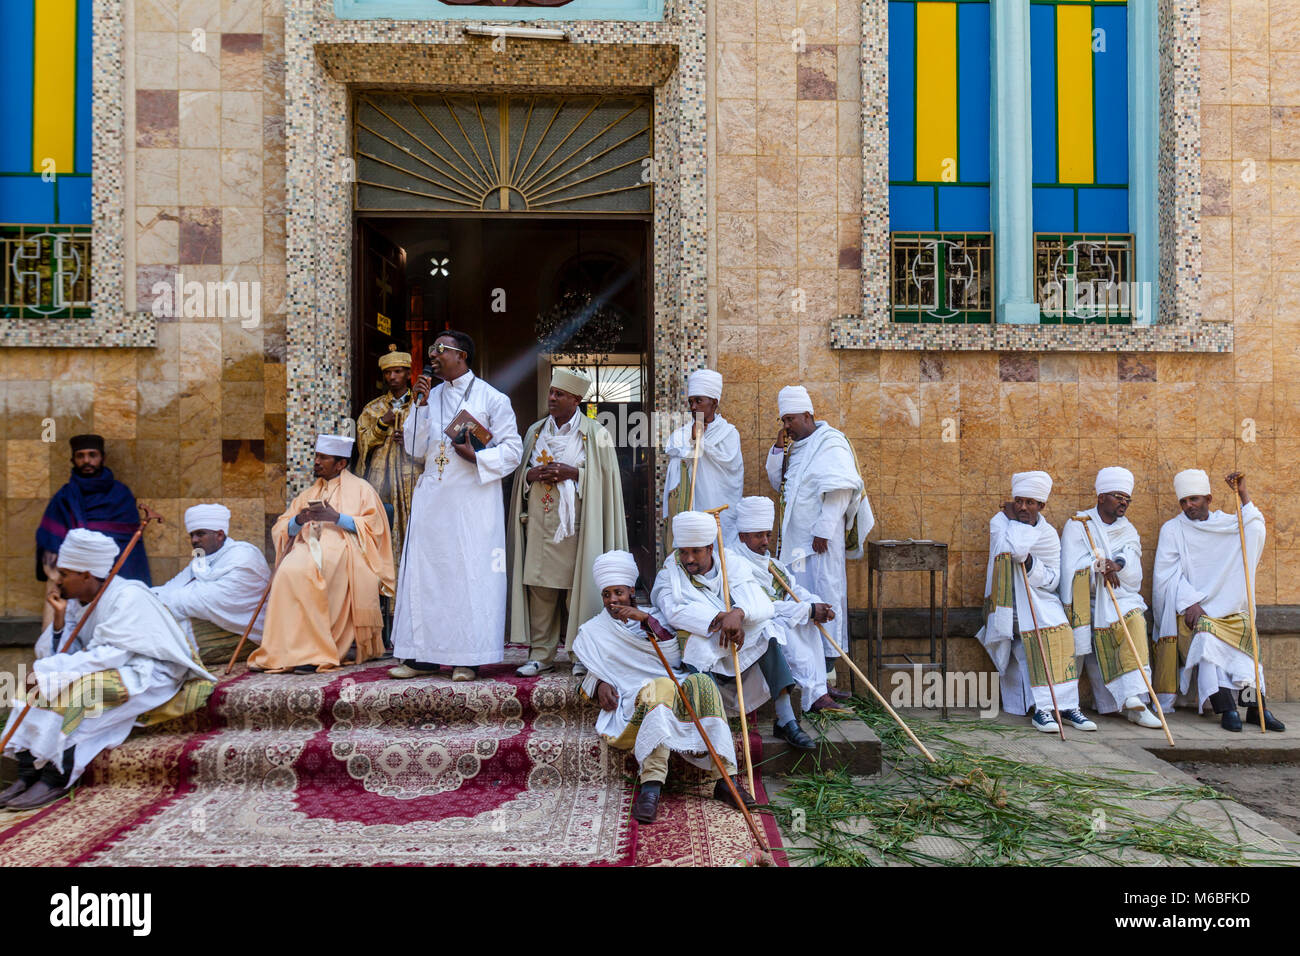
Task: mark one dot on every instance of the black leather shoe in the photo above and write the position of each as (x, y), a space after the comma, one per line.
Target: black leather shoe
(1231, 720)
(16, 788)
(40, 794)
(723, 793)
(1252, 718)
(795, 735)
(838, 694)
(305, 669)
(646, 805)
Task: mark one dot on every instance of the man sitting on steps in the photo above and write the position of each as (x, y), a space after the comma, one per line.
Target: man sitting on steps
(641, 709)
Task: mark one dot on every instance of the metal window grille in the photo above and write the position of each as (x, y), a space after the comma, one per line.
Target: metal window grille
(46, 271)
(1085, 279)
(941, 277)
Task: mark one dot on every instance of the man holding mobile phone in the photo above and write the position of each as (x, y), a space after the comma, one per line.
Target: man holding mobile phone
(451, 597)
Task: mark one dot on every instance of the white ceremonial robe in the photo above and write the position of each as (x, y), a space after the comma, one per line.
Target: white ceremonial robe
(801, 639)
(824, 495)
(1117, 540)
(720, 478)
(692, 609)
(129, 631)
(451, 589)
(1199, 562)
(223, 587)
(1001, 635)
(619, 653)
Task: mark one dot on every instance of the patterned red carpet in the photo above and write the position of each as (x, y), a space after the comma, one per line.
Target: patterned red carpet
(352, 768)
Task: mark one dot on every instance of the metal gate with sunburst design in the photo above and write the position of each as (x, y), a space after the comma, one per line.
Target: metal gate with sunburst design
(452, 152)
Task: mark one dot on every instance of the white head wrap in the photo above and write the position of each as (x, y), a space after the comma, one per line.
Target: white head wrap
(694, 529)
(340, 446)
(614, 568)
(1193, 481)
(1031, 484)
(84, 550)
(570, 380)
(1114, 479)
(705, 382)
(207, 518)
(794, 399)
(755, 513)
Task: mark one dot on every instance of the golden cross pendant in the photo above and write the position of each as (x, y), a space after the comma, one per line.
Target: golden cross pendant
(442, 459)
(545, 457)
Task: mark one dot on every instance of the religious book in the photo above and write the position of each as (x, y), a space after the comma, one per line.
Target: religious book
(466, 424)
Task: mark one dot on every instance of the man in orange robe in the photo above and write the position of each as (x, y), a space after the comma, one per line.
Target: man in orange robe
(334, 553)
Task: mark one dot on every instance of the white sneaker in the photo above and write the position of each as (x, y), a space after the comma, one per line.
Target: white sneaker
(1043, 721)
(1143, 718)
(532, 668)
(1077, 719)
(579, 669)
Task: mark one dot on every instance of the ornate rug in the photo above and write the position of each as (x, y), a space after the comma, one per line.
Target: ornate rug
(353, 768)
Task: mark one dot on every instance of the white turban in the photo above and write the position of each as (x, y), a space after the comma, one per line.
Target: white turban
(1031, 484)
(614, 568)
(340, 446)
(1114, 479)
(705, 382)
(794, 399)
(694, 529)
(1193, 481)
(84, 550)
(207, 518)
(756, 513)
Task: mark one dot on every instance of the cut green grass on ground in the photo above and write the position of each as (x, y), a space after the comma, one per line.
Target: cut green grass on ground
(975, 808)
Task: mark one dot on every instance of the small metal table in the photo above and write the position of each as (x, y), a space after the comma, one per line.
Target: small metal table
(909, 555)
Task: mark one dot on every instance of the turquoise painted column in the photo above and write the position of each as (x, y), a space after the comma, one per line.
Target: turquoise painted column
(1144, 139)
(1012, 184)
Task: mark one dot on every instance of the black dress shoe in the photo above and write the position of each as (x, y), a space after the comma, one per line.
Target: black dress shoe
(305, 669)
(19, 786)
(723, 793)
(646, 805)
(1252, 718)
(40, 794)
(838, 694)
(1231, 720)
(795, 735)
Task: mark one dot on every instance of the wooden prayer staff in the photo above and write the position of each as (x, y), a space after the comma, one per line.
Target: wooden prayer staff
(717, 760)
(695, 465)
(248, 630)
(862, 677)
(1038, 636)
(1132, 646)
(735, 655)
(149, 515)
(1250, 595)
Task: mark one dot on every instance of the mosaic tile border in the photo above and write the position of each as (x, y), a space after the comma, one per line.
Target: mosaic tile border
(109, 325)
(1179, 326)
(323, 54)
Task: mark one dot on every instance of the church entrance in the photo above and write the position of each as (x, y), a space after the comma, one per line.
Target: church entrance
(523, 219)
(517, 286)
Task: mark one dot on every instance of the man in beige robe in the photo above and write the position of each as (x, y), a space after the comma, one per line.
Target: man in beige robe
(381, 458)
(566, 510)
(334, 555)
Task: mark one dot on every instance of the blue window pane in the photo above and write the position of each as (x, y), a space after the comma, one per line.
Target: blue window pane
(25, 199)
(74, 200)
(964, 208)
(902, 91)
(1054, 209)
(1103, 210)
(1042, 81)
(973, 87)
(911, 207)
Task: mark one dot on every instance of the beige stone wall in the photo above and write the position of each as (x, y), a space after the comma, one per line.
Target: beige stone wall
(202, 415)
(788, 201)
